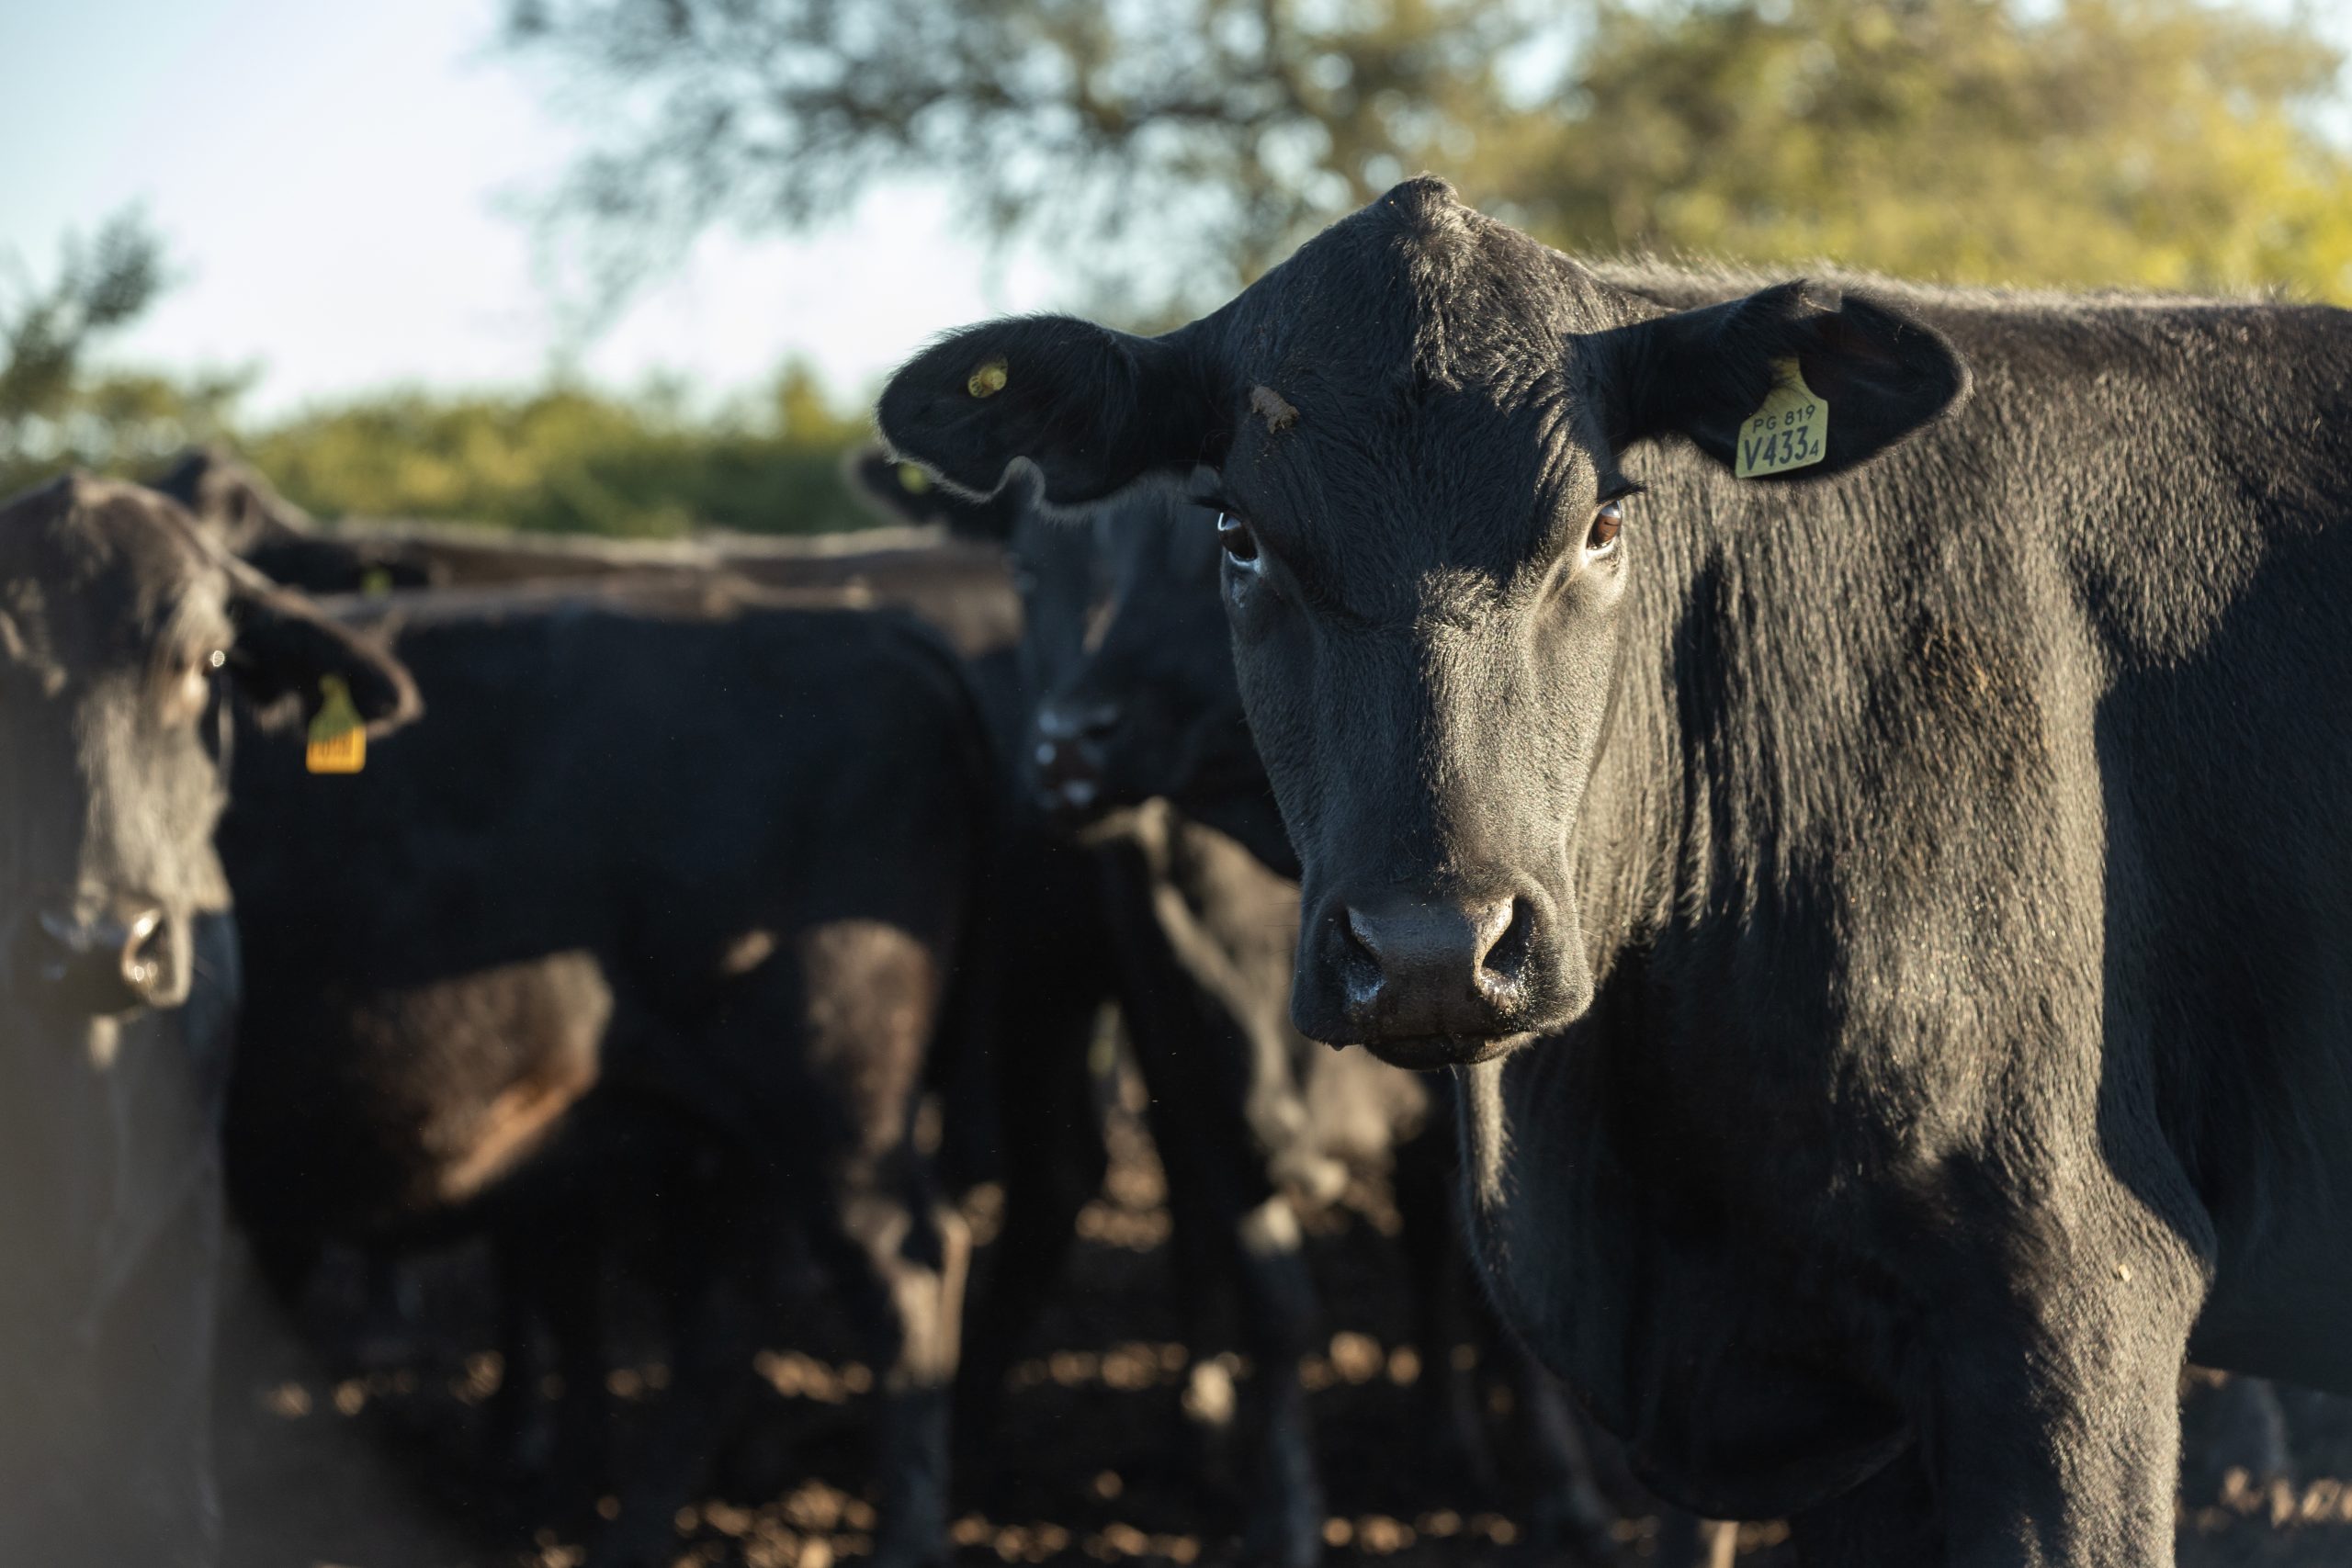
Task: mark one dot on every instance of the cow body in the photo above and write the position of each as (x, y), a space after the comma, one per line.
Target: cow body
(1994, 1001)
(663, 909)
(1883, 913)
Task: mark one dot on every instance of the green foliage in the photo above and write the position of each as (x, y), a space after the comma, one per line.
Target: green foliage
(54, 409)
(2165, 142)
(572, 460)
(2155, 143)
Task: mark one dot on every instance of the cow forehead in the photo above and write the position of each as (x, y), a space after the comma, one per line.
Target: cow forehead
(1463, 482)
(1415, 295)
(95, 570)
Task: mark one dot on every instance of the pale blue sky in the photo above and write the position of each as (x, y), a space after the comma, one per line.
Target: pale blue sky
(337, 185)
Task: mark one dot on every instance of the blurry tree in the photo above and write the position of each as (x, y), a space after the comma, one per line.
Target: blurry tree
(2160, 142)
(1181, 145)
(1215, 133)
(55, 410)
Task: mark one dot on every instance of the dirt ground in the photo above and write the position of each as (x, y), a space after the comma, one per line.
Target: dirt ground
(1099, 1465)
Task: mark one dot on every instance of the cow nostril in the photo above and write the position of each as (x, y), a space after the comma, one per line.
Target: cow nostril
(1508, 936)
(1361, 967)
(142, 971)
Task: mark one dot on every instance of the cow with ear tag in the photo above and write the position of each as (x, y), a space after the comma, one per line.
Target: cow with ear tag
(1849, 775)
(119, 626)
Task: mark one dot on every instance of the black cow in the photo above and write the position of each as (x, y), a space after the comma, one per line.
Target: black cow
(661, 907)
(1191, 935)
(1922, 1060)
(119, 982)
(1152, 709)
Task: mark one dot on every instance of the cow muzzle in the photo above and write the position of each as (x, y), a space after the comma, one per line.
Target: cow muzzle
(1430, 982)
(101, 961)
(1069, 758)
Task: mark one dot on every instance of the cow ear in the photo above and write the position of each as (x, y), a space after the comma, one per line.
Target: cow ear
(904, 492)
(284, 647)
(1704, 374)
(1092, 408)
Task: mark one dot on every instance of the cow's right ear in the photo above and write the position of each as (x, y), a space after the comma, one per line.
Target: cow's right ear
(284, 647)
(1092, 408)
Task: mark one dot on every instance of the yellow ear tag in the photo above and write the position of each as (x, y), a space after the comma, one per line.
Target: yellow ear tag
(986, 380)
(1790, 430)
(376, 579)
(338, 737)
(913, 480)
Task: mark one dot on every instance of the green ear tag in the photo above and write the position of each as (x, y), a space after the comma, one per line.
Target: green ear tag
(988, 380)
(1790, 431)
(338, 735)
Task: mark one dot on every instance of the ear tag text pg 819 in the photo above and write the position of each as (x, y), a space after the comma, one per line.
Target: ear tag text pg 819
(338, 735)
(1790, 431)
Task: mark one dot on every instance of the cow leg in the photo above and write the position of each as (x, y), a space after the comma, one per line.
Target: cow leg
(1686, 1540)
(2045, 1387)
(714, 1334)
(1569, 1510)
(1286, 1524)
(560, 1273)
(519, 1438)
(1055, 1159)
(865, 1194)
(1444, 1308)
(901, 1258)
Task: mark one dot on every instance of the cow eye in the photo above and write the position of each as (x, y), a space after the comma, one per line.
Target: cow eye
(1240, 544)
(1605, 524)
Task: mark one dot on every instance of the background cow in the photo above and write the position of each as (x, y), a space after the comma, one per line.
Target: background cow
(655, 918)
(119, 982)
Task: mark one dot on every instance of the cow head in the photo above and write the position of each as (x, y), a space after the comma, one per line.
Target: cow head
(1418, 427)
(118, 622)
(1148, 706)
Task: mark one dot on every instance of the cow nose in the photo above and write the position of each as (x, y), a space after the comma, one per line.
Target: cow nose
(1060, 721)
(107, 963)
(1070, 754)
(1474, 953)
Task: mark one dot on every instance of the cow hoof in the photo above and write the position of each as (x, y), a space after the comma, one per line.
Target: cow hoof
(1575, 1528)
(1287, 1537)
(930, 1552)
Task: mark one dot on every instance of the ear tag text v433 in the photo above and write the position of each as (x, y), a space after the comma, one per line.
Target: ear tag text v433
(1790, 431)
(338, 735)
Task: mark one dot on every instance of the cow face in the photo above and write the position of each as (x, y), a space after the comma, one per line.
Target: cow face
(118, 622)
(1418, 426)
(1149, 705)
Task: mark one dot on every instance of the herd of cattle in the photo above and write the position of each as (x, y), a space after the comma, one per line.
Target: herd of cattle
(1879, 932)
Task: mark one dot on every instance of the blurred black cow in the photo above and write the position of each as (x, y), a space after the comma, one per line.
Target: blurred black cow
(118, 979)
(662, 908)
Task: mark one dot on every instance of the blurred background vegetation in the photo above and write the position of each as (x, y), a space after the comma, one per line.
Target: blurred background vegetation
(1164, 152)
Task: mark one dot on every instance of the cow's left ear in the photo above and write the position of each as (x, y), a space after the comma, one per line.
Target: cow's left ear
(284, 647)
(1703, 374)
(1092, 408)
(905, 493)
